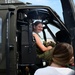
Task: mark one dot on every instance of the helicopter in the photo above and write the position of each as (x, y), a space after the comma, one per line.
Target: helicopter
(17, 45)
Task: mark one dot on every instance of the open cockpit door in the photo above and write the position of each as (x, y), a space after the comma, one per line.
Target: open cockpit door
(43, 13)
(26, 45)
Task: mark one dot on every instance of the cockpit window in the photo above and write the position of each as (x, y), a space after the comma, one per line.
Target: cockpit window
(0, 31)
(53, 28)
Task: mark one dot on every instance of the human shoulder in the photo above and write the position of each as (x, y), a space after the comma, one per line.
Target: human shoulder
(72, 73)
(41, 71)
(65, 71)
(47, 71)
(33, 33)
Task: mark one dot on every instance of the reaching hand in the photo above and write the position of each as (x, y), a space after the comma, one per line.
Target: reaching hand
(51, 43)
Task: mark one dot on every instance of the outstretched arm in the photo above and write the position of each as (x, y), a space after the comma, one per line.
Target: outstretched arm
(40, 45)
